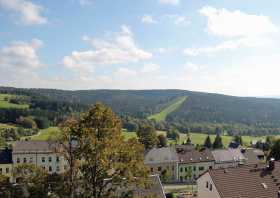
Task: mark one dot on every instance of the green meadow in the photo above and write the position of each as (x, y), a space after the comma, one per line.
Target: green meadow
(5, 104)
(172, 106)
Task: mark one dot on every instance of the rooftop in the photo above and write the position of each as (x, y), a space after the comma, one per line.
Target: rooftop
(247, 181)
(195, 156)
(228, 155)
(161, 155)
(34, 146)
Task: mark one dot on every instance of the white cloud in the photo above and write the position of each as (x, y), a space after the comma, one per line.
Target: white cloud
(169, 2)
(21, 55)
(241, 29)
(230, 45)
(148, 19)
(125, 72)
(178, 19)
(222, 22)
(27, 12)
(149, 68)
(120, 48)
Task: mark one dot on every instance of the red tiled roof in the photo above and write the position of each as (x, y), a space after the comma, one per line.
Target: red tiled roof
(247, 181)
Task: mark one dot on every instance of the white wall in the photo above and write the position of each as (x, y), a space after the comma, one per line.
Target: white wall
(203, 191)
(36, 159)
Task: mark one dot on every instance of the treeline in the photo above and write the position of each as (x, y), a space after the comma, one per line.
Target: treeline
(201, 112)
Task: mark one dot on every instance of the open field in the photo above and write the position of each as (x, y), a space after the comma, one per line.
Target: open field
(47, 134)
(173, 105)
(199, 138)
(7, 105)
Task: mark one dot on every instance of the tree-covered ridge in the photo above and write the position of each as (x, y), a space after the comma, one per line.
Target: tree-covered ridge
(200, 112)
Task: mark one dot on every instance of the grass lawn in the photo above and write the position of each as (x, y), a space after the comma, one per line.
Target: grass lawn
(6, 126)
(7, 105)
(50, 133)
(173, 105)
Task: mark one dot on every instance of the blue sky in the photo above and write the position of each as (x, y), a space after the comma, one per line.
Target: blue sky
(228, 46)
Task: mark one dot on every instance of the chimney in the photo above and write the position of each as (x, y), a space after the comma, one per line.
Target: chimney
(271, 165)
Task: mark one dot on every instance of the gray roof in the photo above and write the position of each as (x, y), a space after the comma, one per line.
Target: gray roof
(195, 156)
(252, 155)
(161, 155)
(228, 155)
(34, 146)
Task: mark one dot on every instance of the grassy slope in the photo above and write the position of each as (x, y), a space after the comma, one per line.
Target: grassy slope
(47, 134)
(175, 104)
(7, 104)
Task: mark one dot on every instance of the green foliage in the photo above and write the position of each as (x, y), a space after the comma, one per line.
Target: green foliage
(147, 136)
(172, 106)
(9, 101)
(162, 141)
(208, 143)
(218, 143)
(238, 139)
(275, 151)
(42, 122)
(106, 159)
(27, 122)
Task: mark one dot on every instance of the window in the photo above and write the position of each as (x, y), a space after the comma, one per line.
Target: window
(210, 167)
(194, 176)
(159, 168)
(57, 169)
(207, 184)
(57, 159)
(181, 178)
(44, 168)
(0, 170)
(43, 159)
(181, 169)
(186, 169)
(173, 168)
(210, 187)
(24, 160)
(30, 160)
(50, 169)
(201, 168)
(18, 160)
(152, 170)
(7, 170)
(50, 159)
(194, 168)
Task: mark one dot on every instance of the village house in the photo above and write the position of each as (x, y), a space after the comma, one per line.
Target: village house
(250, 181)
(40, 153)
(6, 163)
(225, 158)
(164, 162)
(192, 162)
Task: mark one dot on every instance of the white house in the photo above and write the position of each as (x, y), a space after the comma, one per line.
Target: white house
(40, 153)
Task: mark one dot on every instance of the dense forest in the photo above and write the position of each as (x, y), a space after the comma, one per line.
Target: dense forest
(200, 112)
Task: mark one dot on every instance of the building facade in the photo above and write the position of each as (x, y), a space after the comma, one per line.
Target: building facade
(163, 162)
(40, 153)
(193, 163)
(6, 163)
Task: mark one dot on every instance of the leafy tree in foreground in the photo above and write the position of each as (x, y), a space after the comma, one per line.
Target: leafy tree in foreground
(107, 160)
(275, 151)
(208, 142)
(218, 142)
(147, 136)
(31, 179)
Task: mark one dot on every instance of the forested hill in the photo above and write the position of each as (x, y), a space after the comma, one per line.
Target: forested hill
(197, 108)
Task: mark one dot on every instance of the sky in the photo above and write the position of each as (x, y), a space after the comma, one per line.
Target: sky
(229, 47)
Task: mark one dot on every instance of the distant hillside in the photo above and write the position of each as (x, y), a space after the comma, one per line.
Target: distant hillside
(169, 105)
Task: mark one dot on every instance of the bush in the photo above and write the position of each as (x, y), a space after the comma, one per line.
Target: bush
(42, 122)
